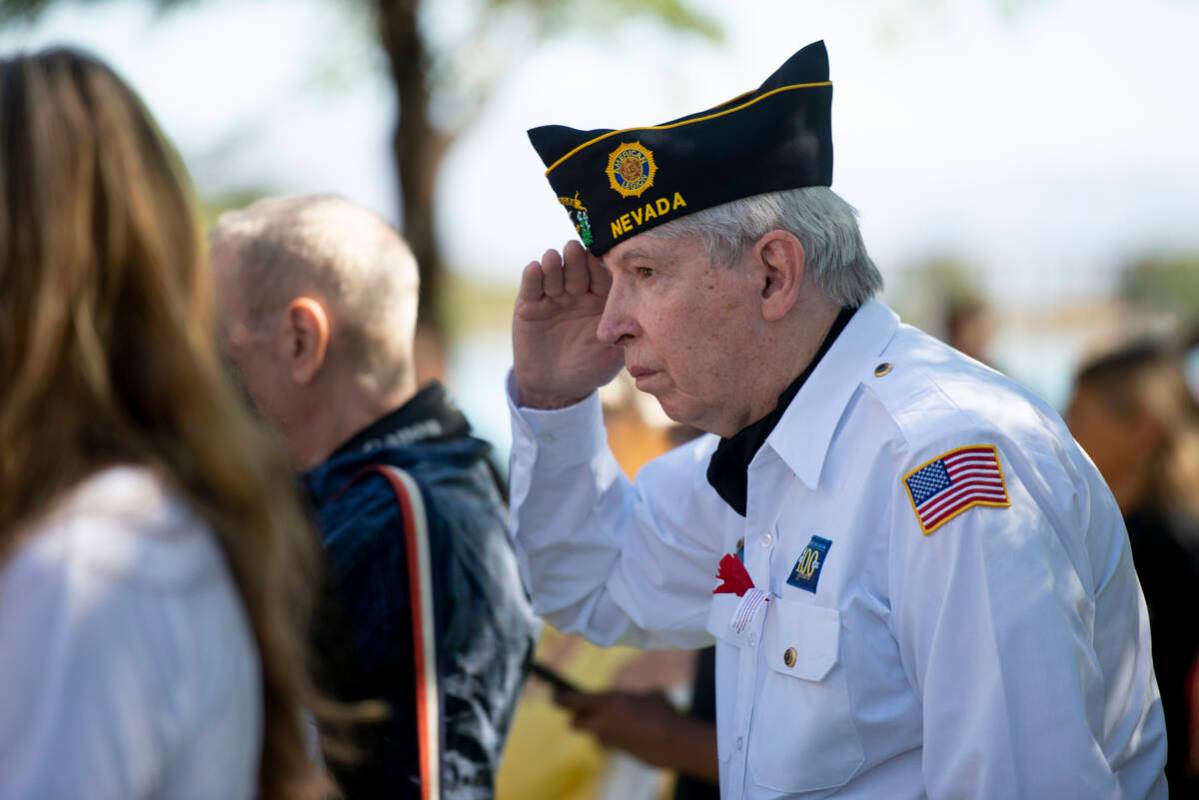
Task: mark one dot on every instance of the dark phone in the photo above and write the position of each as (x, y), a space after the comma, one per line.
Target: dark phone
(552, 678)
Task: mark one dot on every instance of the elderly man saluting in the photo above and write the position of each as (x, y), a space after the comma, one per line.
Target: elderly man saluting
(925, 588)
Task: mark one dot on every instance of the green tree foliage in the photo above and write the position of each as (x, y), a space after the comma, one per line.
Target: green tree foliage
(925, 291)
(442, 81)
(1166, 283)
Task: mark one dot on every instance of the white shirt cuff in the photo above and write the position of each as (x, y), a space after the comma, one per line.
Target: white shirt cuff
(557, 437)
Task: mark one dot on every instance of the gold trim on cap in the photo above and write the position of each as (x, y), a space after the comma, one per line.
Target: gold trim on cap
(609, 134)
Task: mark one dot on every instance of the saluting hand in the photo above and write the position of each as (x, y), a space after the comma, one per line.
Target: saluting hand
(558, 358)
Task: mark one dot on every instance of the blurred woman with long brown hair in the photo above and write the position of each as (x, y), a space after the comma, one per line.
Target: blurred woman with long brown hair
(152, 557)
(1134, 415)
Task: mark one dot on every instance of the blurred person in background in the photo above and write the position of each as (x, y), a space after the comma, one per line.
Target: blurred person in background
(969, 327)
(1190, 361)
(649, 726)
(152, 554)
(1133, 414)
(424, 605)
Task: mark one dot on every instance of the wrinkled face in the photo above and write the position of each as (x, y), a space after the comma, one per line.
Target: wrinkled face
(248, 351)
(688, 329)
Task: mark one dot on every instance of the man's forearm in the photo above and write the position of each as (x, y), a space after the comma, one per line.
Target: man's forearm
(574, 514)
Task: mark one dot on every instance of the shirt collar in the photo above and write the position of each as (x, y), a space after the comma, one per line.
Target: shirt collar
(802, 437)
(429, 415)
(728, 471)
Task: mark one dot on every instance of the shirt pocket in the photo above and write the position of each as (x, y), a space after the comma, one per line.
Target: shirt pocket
(804, 738)
(720, 616)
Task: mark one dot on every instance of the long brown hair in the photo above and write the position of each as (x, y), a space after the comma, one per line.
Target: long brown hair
(108, 355)
(1146, 377)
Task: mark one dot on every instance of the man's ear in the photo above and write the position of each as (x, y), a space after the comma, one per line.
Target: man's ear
(305, 339)
(779, 258)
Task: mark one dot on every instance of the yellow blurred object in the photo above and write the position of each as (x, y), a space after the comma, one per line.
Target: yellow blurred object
(545, 757)
(634, 443)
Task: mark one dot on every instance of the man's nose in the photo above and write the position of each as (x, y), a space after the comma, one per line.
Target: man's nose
(616, 325)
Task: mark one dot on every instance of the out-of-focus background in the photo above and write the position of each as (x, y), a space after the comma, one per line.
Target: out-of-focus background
(1030, 167)
(1040, 154)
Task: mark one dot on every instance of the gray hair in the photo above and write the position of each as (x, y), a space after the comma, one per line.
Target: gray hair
(283, 247)
(825, 225)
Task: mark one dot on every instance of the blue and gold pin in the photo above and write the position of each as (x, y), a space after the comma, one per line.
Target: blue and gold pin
(806, 572)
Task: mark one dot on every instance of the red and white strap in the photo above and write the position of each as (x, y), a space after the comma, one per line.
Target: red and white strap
(424, 641)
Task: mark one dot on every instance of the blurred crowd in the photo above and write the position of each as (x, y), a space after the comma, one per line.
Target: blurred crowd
(177, 620)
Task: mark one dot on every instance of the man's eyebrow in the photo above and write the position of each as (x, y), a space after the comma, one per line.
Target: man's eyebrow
(635, 254)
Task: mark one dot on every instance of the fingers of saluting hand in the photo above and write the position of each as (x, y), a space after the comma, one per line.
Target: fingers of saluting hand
(601, 279)
(573, 272)
(577, 278)
(531, 283)
(553, 282)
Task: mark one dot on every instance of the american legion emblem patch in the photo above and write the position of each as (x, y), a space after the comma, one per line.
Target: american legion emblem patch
(954, 482)
(631, 169)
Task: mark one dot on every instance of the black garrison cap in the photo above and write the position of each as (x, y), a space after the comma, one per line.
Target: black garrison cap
(618, 183)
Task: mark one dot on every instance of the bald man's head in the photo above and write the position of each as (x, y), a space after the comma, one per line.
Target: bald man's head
(347, 259)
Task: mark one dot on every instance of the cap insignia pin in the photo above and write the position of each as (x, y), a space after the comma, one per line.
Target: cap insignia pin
(631, 169)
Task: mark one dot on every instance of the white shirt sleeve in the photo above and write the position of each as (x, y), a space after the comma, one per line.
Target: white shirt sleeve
(126, 668)
(72, 719)
(994, 614)
(617, 562)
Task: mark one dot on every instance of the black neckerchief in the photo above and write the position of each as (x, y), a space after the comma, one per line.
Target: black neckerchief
(428, 416)
(728, 471)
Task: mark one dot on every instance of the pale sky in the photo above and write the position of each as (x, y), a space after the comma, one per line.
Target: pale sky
(1046, 145)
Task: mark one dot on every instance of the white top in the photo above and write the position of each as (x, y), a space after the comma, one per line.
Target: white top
(127, 668)
(1004, 654)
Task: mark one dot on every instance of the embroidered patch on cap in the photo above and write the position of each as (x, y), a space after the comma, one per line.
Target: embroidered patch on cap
(955, 482)
(578, 215)
(806, 572)
(631, 169)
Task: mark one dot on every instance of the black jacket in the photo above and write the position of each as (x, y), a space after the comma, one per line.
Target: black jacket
(484, 625)
(1163, 550)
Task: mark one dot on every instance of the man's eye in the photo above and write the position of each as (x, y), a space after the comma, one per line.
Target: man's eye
(644, 272)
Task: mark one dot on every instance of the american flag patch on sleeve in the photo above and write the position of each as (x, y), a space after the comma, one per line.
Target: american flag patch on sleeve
(954, 482)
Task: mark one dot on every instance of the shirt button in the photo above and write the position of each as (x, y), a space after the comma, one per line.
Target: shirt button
(767, 539)
(789, 656)
(740, 742)
(548, 438)
(753, 639)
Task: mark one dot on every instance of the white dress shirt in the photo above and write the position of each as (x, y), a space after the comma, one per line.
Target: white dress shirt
(127, 668)
(1004, 654)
